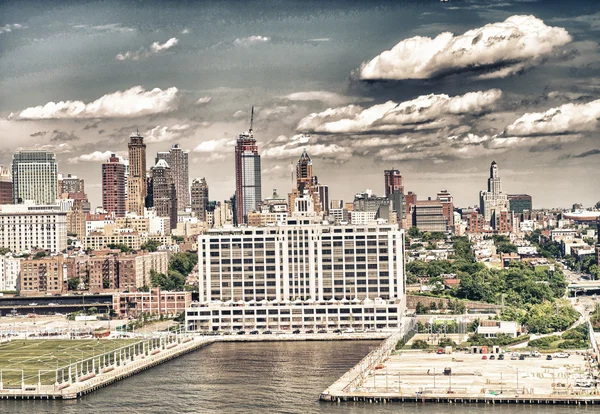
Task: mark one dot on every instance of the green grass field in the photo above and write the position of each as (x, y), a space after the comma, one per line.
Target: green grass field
(44, 354)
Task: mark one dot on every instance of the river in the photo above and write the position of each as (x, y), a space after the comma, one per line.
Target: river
(272, 377)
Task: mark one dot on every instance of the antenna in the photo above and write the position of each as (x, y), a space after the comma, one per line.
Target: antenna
(252, 119)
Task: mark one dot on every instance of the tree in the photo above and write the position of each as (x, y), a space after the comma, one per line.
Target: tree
(92, 310)
(420, 309)
(3, 251)
(150, 245)
(414, 232)
(73, 283)
(39, 255)
(120, 246)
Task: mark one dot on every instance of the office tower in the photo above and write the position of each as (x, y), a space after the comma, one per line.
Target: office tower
(70, 184)
(373, 207)
(164, 194)
(447, 206)
(300, 277)
(393, 182)
(323, 192)
(113, 186)
(5, 186)
(493, 200)
(248, 194)
(428, 215)
(518, 203)
(136, 181)
(178, 161)
(304, 172)
(34, 177)
(200, 198)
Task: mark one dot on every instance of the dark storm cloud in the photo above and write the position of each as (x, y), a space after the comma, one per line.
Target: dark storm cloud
(62, 136)
(582, 155)
(38, 134)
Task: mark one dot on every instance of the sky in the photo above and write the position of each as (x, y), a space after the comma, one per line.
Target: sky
(436, 90)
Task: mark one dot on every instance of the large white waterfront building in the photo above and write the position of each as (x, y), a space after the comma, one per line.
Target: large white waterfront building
(26, 227)
(301, 276)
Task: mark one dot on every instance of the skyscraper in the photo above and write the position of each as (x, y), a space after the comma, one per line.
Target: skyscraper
(5, 186)
(393, 182)
(178, 161)
(163, 192)
(493, 200)
(34, 177)
(447, 206)
(70, 184)
(136, 181)
(113, 186)
(200, 198)
(248, 193)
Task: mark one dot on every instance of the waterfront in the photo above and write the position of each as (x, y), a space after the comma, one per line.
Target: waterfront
(249, 377)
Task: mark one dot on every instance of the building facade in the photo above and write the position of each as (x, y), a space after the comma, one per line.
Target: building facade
(393, 182)
(34, 176)
(70, 184)
(248, 187)
(428, 215)
(200, 198)
(493, 200)
(5, 186)
(136, 179)
(177, 159)
(155, 302)
(47, 275)
(27, 227)
(10, 268)
(164, 193)
(518, 203)
(114, 184)
(300, 276)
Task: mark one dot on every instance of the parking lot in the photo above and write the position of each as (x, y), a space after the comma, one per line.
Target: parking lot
(468, 374)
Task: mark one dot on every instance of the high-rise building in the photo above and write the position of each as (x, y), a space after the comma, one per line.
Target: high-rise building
(518, 203)
(113, 186)
(366, 202)
(447, 206)
(248, 189)
(493, 200)
(323, 191)
(200, 198)
(428, 215)
(136, 181)
(5, 186)
(393, 182)
(306, 183)
(164, 194)
(34, 177)
(300, 277)
(70, 184)
(178, 161)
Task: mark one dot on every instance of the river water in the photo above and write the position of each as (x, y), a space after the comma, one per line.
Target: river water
(272, 377)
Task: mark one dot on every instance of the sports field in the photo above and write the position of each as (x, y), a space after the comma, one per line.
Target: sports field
(31, 355)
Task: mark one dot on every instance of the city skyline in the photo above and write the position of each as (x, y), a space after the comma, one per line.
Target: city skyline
(317, 85)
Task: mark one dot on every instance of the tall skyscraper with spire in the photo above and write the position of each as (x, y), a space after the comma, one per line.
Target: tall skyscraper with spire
(248, 189)
(136, 181)
(307, 182)
(493, 201)
(393, 182)
(178, 161)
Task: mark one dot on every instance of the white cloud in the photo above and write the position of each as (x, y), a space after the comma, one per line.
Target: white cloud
(107, 28)
(203, 100)
(216, 145)
(320, 39)
(130, 103)
(565, 119)
(323, 151)
(330, 98)
(185, 31)
(157, 47)
(7, 28)
(96, 156)
(165, 133)
(518, 42)
(240, 114)
(425, 112)
(251, 41)
(143, 53)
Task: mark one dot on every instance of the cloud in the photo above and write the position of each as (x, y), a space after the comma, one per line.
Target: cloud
(106, 28)
(502, 49)
(38, 134)
(61, 136)
(216, 150)
(330, 98)
(185, 31)
(251, 41)
(143, 53)
(7, 28)
(62, 148)
(425, 112)
(319, 40)
(203, 100)
(565, 119)
(582, 155)
(240, 114)
(130, 103)
(96, 156)
(323, 151)
(166, 133)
